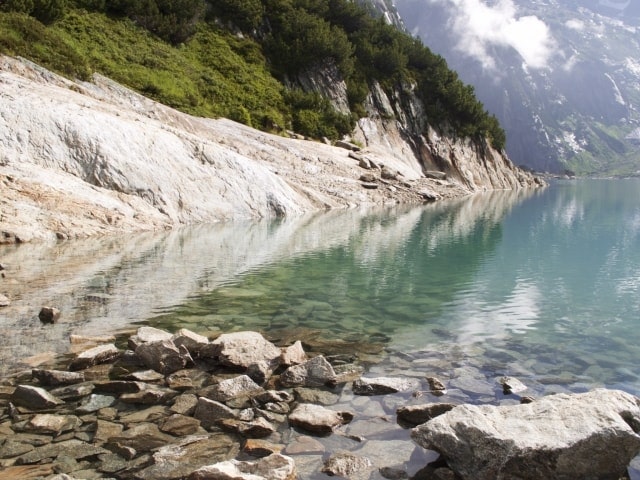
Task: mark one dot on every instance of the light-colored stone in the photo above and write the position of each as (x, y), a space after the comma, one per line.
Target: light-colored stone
(240, 386)
(192, 341)
(293, 354)
(273, 467)
(55, 378)
(55, 424)
(316, 372)
(512, 385)
(589, 435)
(94, 356)
(317, 419)
(383, 385)
(4, 301)
(345, 465)
(241, 349)
(209, 412)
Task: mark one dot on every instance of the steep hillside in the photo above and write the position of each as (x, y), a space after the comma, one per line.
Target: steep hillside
(562, 77)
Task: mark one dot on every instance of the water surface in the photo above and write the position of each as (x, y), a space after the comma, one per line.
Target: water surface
(542, 285)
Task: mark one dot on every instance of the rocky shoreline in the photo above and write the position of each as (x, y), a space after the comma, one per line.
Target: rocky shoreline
(173, 406)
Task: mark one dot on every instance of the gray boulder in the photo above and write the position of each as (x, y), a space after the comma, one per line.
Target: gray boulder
(591, 435)
(241, 349)
(273, 467)
(34, 398)
(383, 385)
(95, 356)
(162, 356)
(232, 388)
(317, 419)
(316, 372)
(193, 342)
(511, 385)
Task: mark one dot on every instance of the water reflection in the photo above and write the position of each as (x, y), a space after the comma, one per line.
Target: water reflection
(343, 272)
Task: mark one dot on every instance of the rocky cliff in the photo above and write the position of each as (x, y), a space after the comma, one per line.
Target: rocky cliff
(79, 158)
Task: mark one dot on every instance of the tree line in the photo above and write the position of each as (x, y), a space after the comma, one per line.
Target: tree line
(294, 35)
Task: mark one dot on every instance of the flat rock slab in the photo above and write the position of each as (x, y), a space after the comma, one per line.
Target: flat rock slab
(590, 435)
(34, 398)
(273, 467)
(94, 356)
(317, 419)
(383, 385)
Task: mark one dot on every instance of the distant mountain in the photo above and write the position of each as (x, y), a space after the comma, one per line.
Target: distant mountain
(563, 77)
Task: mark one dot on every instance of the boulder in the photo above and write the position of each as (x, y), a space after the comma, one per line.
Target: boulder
(193, 342)
(316, 372)
(149, 334)
(511, 385)
(388, 174)
(317, 419)
(435, 174)
(94, 356)
(293, 354)
(345, 465)
(142, 437)
(209, 412)
(232, 388)
(241, 349)
(34, 398)
(347, 145)
(588, 435)
(55, 378)
(162, 356)
(383, 385)
(49, 315)
(273, 467)
(436, 386)
(368, 177)
(4, 301)
(180, 425)
(54, 424)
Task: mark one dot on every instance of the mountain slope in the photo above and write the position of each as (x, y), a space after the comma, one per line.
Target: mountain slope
(562, 77)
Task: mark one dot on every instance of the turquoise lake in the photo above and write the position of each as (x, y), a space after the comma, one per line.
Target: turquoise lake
(542, 285)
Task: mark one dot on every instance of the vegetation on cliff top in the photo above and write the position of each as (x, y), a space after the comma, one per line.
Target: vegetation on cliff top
(191, 54)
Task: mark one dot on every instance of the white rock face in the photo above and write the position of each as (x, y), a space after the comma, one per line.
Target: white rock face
(590, 436)
(78, 159)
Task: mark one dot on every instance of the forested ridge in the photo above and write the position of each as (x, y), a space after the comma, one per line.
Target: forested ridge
(233, 58)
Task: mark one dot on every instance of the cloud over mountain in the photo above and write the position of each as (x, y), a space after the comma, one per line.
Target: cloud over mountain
(480, 27)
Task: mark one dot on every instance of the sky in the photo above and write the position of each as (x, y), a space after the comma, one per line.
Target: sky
(480, 27)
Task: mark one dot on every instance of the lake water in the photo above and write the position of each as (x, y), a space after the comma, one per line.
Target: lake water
(541, 285)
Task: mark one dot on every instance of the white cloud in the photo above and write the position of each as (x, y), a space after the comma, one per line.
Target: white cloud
(481, 27)
(575, 24)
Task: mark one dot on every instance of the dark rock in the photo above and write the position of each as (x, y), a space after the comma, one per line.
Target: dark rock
(162, 356)
(149, 395)
(142, 437)
(193, 342)
(383, 385)
(417, 414)
(180, 425)
(261, 448)
(185, 404)
(368, 178)
(435, 385)
(72, 448)
(49, 314)
(369, 185)
(345, 465)
(55, 378)
(527, 399)
(73, 392)
(317, 419)
(586, 435)
(95, 402)
(209, 412)
(105, 430)
(428, 195)
(94, 356)
(260, 372)
(34, 398)
(388, 174)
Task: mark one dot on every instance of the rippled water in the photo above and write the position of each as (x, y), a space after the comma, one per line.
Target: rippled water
(542, 285)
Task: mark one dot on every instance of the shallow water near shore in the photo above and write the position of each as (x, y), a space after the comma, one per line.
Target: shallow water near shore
(542, 285)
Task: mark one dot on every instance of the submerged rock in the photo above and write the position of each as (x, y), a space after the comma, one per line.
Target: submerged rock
(317, 419)
(94, 356)
(49, 314)
(383, 385)
(417, 414)
(345, 465)
(589, 435)
(316, 372)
